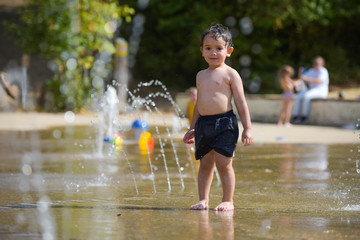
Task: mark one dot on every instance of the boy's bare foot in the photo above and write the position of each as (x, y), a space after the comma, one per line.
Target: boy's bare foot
(225, 206)
(201, 205)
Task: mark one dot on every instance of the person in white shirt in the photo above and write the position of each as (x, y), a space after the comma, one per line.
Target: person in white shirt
(318, 80)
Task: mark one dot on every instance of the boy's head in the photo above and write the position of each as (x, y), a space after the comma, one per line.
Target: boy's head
(218, 31)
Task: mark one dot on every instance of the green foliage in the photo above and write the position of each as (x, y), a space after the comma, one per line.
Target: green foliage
(72, 34)
(270, 32)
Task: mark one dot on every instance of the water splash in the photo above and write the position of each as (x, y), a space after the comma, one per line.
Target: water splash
(131, 170)
(109, 123)
(189, 149)
(352, 208)
(148, 102)
(107, 119)
(34, 180)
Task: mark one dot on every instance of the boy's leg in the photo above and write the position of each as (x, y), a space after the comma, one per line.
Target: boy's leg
(227, 175)
(206, 172)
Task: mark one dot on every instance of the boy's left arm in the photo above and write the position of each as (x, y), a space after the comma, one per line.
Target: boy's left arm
(242, 108)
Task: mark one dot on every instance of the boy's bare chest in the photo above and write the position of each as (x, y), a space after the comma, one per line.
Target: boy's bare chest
(215, 83)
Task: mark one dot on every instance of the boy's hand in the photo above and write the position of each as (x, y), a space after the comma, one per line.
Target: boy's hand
(247, 137)
(189, 137)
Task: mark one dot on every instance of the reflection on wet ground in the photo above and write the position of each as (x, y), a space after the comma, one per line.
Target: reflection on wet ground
(53, 186)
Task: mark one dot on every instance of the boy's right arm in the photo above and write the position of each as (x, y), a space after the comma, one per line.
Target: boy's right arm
(189, 135)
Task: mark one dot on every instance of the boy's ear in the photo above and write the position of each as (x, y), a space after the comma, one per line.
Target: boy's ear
(201, 49)
(229, 51)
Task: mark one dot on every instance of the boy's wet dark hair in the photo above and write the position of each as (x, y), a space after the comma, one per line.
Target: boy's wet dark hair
(216, 32)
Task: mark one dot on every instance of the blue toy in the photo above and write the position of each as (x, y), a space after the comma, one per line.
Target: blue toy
(140, 124)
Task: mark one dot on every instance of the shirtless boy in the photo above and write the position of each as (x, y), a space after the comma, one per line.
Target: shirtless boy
(214, 125)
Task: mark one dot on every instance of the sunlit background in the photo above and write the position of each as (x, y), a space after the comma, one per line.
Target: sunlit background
(92, 119)
(72, 49)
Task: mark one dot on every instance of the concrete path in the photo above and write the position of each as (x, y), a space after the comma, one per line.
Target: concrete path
(263, 133)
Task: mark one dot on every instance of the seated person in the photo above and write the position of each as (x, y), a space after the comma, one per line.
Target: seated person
(318, 80)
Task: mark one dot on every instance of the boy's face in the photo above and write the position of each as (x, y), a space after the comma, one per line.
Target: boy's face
(215, 51)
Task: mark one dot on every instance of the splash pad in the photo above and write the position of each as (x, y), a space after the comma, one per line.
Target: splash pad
(67, 182)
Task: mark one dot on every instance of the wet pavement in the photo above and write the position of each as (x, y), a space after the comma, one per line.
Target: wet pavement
(55, 186)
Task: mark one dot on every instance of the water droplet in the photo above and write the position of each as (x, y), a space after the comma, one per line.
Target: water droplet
(266, 223)
(43, 205)
(69, 116)
(64, 55)
(56, 134)
(245, 60)
(256, 48)
(142, 4)
(245, 73)
(230, 21)
(71, 63)
(246, 25)
(26, 169)
(110, 26)
(20, 218)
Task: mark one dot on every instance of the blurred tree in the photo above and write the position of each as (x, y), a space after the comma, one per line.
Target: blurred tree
(77, 37)
(266, 34)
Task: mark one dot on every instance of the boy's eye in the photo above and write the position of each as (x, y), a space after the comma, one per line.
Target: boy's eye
(219, 48)
(207, 48)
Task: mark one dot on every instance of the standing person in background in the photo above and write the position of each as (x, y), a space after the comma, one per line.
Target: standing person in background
(318, 79)
(191, 103)
(287, 85)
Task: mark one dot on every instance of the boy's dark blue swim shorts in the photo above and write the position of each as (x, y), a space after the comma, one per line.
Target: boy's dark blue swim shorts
(219, 132)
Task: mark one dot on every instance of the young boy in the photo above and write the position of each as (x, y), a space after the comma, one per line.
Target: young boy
(214, 124)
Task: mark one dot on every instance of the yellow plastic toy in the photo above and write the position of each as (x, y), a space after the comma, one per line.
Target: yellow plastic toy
(146, 142)
(118, 140)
